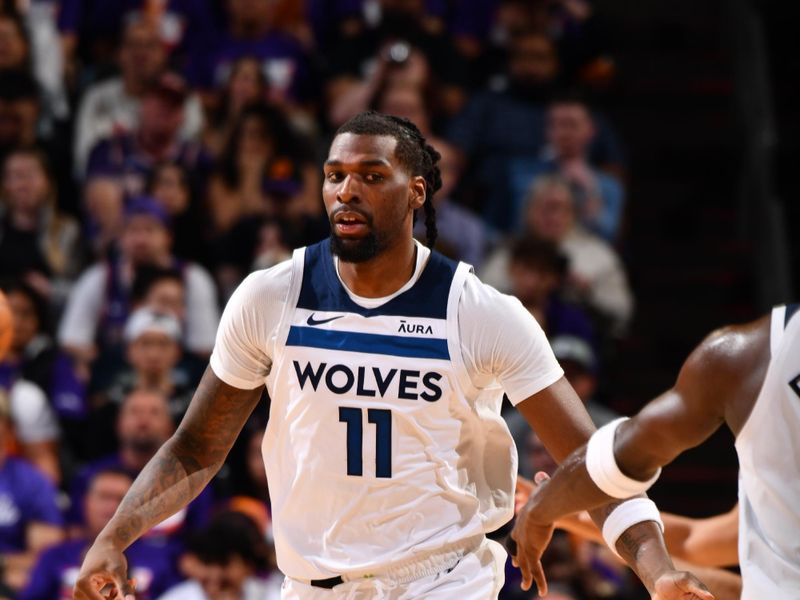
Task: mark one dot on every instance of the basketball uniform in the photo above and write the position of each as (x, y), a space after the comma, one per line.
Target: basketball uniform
(769, 471)
(386, 455)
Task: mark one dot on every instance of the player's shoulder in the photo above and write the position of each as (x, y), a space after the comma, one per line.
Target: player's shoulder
(483, 305)
(482, 296)
(731, 352)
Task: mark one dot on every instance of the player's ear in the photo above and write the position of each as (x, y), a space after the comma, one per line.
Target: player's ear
(417, 192)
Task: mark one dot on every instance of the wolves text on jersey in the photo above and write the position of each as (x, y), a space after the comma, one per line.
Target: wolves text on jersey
(369, 382)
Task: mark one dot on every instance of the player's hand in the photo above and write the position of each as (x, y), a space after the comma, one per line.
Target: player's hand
(103, 575)
(531, 538)
(525, 487)
(680, 585)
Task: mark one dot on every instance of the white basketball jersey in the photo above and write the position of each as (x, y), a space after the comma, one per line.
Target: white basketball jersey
(378, 447)
(769, 471)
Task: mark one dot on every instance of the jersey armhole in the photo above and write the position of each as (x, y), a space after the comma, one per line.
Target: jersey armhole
(289, 302)
(463, 271)
(776, 328)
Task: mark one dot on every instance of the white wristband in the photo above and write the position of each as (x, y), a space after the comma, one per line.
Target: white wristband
(602, 465)
(627, 515)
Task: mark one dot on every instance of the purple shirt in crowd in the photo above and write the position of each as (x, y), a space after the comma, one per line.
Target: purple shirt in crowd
(26, 496)
(284, 63)
(56, 571)
(183, 24)
(120, 156)
(472, 18)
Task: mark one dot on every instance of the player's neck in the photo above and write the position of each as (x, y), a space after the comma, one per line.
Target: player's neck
(383, 275)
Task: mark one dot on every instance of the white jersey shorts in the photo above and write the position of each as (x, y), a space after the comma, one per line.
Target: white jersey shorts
(478, 575)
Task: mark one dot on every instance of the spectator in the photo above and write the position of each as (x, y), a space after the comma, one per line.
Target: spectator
(31, 351)
(596, 277)
(537, 270)
(508, 122)
(332, 21)
(574, 27)
(35, 425)
(20, 117)
(151, 565)
(131, 156)
(153, 353)
(248, 477)
(19, 99)
(264, 172)
(496, 126)
(162, 290)
(99, 304)
(461, 233)
(399, 50)
(37, 242)
(103, 203)
(226, 560)
(111, 107)
(29, 517)
(251, 31)
(15, 50)
(40, 17)
(34, 365)
(469, 23)
(142, 427)
(272, 247)
(170, 186)
(90, 29)
(292, 17)
(245, 85)
(599, 195)
(578, 360)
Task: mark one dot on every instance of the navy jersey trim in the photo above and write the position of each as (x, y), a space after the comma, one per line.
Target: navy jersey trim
(368, 343)
(321, 289)
(791, 310)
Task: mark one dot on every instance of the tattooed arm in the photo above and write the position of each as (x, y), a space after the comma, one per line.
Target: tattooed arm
(174, 477)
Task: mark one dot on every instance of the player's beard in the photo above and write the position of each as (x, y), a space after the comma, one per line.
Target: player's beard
(356, 250)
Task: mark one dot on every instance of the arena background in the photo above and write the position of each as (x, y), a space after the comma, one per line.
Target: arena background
(701, 96)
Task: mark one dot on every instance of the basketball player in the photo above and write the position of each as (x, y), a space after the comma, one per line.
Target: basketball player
(747, 377)
(385, 452)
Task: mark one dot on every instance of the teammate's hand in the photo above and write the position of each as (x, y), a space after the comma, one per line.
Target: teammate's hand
(680, 585)
(103, 575)
(524, 489)
(531, 540)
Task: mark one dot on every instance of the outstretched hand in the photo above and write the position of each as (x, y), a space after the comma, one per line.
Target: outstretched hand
(531, 538)
(103, 576)
(680, 585)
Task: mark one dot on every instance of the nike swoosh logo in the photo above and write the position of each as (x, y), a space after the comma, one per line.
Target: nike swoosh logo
(312, 321)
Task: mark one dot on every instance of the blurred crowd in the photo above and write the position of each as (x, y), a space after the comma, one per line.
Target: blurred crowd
(154, 152)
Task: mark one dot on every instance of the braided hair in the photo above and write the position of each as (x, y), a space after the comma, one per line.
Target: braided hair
(412, 151)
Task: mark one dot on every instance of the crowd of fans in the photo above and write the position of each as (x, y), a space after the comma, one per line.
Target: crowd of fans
(154, 152)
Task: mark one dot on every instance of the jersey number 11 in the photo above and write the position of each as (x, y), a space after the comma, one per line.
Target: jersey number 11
(382, 419)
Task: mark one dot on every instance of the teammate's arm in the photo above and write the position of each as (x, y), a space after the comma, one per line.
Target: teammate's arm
(708, 542)
(707, 393)
(174, 476)
(562, 424)
(717, 383)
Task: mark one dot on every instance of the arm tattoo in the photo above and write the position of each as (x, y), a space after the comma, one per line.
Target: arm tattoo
(186, 462)
(630, 542)
(641, 546)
